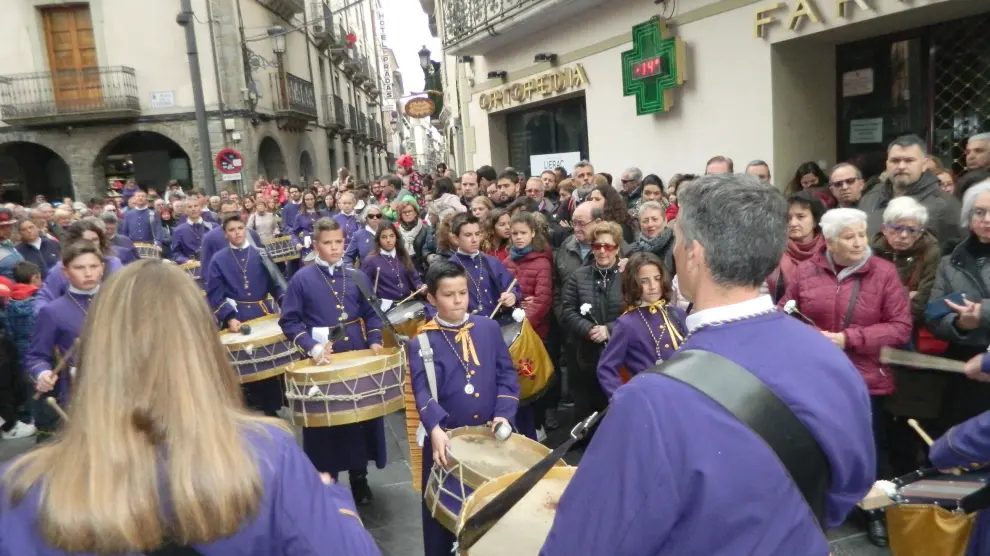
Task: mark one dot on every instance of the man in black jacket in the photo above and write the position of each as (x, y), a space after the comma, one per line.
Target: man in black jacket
(40, 251)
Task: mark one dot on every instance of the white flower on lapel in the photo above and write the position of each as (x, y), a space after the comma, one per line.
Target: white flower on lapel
(586, 308)
(518, 315)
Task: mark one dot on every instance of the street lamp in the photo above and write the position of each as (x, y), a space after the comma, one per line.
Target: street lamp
(278, 39)
(424, 58)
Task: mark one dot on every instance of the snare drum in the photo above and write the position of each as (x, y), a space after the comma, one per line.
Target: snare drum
(263, 353)
(355, 386)
(147, 250)
(475, 458)
(281, 249)
(527, 524)
(310, 258)
(408, 317)
(530, 358)
(194, 270)
(934, 513)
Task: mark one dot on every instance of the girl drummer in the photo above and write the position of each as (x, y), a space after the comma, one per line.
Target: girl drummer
(167, 453)
(650, 330)
(390, 268)
(302, 227)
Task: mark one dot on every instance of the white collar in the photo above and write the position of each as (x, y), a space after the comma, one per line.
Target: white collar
(472, 257)
(442, 322)
(387, 253)
(194, 222)
(36, 243)
(739, 310)
(78, 291)
(348, 214)
(328, 266)
(370, 230)
(242, 246)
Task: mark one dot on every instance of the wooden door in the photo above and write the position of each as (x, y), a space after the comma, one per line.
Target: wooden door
(72, 58)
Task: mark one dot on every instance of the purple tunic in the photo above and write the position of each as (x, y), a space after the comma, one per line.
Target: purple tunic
(496, 394)
(309, 303)
(631, 345)
(395, 281)
(57, 285)
(187, 241)
(124, 249)
(298, 514)
(215, 240)
(348, 223)
(303, 227)
(225, 280)
(56, 326)
(487, 279)
(361, 245)
(669, 472)
(965, 444)
(289, 212)
(142, 225)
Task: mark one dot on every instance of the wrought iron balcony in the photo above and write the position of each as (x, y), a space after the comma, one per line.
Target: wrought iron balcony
(336, 116)
(294, 98)
(479, 26)
(362, 125)
(352, 118)
(323, 26)
(66, 96)
(286, 9)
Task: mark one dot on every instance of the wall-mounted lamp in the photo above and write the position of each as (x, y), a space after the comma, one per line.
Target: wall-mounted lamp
(498, 75)
(545, 57)
(278, 39)
(465, 59)
(424, 58)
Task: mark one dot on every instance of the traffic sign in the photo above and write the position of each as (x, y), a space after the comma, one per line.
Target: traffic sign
(229, 161)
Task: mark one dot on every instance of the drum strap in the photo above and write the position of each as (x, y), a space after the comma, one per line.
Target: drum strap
(426, 352)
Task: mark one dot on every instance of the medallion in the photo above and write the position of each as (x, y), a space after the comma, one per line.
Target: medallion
(343, 316)
(659, 361)
(469, 389)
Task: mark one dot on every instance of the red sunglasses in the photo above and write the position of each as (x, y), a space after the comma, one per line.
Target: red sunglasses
(607, 247)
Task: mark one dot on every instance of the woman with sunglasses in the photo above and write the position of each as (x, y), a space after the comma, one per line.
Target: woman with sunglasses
(362, 242)
(592, 302)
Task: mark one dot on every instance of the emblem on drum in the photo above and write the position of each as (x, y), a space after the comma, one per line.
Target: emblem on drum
(525, 368)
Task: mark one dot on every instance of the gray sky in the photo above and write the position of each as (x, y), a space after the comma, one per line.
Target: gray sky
(406, 32)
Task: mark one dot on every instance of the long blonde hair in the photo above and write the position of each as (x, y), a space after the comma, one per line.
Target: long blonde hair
(156, 404)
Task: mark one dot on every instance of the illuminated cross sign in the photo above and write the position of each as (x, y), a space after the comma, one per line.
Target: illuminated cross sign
(653, 67)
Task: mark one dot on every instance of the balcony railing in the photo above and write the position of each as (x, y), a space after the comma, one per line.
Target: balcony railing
(322, 25)
(295, 97)
(286, 9)
(362, 123)
(351, 118)
(463, 18)
(336, 116)
(65, 96)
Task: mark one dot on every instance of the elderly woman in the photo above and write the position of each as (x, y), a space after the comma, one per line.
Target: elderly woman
(654, 234)
(804, 239)
(858, 302)
(592, 301)
(965, 323)
(363, 241)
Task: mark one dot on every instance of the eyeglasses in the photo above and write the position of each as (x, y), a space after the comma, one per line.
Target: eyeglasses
(580, 223)
(373, 216)
(606, 247)
(898, 228)
(847, 181)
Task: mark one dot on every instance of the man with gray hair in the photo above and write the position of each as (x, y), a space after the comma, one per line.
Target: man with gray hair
(122, 245)
(810, 454)
(632, 187)
(760, 169)
(978, 152)
(907, 175)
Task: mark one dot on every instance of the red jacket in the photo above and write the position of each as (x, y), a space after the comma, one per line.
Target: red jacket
(882, 315)
(535, 275)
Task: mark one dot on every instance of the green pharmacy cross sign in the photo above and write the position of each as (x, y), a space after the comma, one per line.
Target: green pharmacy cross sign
(653, 67)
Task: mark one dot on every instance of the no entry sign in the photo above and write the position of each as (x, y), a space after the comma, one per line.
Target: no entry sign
(229, 162)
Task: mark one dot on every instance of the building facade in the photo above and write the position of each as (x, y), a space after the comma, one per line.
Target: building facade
(97, 91)
(666, 85)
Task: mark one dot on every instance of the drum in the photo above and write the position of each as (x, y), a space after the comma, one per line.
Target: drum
(475, 458)
(310, 258)
(934, 513)
(194, 270)
(533, 365)
(408, 317)
(281, 249)
(355, 386)
(527, 524)
(147, 250)
(263, 353)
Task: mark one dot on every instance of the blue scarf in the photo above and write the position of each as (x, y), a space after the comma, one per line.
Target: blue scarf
(517, 253)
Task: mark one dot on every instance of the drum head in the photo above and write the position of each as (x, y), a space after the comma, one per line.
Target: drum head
(485, 458)
(410, 310)
(510, 332)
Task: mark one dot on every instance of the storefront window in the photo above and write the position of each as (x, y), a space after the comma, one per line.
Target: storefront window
(560, 127)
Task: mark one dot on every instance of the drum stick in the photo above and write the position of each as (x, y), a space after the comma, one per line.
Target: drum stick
(921, 432)
(378, 271)
(412, 295)
(63, 363)
(499, 306)
(891, 356)
(58, 409)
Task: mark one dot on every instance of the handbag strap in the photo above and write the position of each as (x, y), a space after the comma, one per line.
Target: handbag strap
(750, 401)
(852, 303)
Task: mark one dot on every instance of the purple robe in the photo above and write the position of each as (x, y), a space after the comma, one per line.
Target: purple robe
(670, 472)
(303, 227)
(630, 344)
(225, 280)
(187, 241)
(963, 445)
(289, 212)
(208, 216)
(298, 514)
(348, 223)
(496, 394)
(56, 326)
(57, 285)
(142, 225)
(361, 245)
(309, 303)
(487, 279)
(395, 281)
(215, 240)
(124, 248)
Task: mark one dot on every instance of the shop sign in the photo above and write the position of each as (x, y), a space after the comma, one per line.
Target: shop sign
(542, 162)
(800, 11)
(653, 67)
(549, 84)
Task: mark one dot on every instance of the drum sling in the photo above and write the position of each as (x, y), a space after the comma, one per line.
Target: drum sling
(729, 385)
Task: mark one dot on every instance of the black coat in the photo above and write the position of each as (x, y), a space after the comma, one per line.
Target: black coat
(586, 286)
(44, 258)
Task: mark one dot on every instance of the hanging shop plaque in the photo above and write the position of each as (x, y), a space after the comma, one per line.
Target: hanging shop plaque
(420, 108)
(653, 68)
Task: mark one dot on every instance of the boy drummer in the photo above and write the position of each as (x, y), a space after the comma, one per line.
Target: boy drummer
(475, 379)
(319, 298)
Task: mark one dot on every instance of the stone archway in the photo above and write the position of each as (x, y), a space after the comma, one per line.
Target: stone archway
(306, 170)
(28, 169)
(149, 158)
(271, 161)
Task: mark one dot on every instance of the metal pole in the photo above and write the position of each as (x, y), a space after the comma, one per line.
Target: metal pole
(187, 20)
